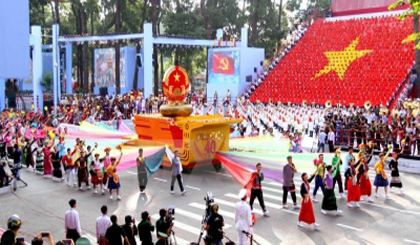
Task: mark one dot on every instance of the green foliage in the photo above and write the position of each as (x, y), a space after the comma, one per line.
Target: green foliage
(47, 82)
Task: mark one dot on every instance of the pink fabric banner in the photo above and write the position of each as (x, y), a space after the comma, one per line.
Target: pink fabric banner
(354, 5)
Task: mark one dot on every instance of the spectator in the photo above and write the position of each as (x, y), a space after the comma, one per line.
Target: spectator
(38, 239)
(145, 229)
(102, 224)
(114, 233)
(130, 230)
(13, 226)
(72, 222)
(331, 140)
(321, 141)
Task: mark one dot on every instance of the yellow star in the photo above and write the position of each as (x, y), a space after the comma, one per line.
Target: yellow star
(177, 77)
(339, 61)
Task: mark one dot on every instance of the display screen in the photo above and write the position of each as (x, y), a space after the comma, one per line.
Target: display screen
(223, 66)
(105, 67)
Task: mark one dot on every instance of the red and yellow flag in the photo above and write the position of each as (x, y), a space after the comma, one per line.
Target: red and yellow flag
(223, 64)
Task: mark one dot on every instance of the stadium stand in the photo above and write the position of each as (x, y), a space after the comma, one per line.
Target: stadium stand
(345, 61)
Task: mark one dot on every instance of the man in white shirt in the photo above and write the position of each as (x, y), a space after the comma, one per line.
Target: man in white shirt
(243, 218)
(102, 223)
(72, 222)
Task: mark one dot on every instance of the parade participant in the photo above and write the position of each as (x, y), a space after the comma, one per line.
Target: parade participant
(381, 179)
(288, 183)
(329, 202)
(256, 191)
(96, 174)
(306, 213)
(72, 222)
(177, 173)
(56, 163)
(145, 229)
(243, 218)
(362, 169)
(67, 161)
(395, 173)
(107, 161)
(82, 175)
(348, 158)
(114, 181)
(336, 164)
(353, 196)
(29, 158)
(39, 159)
(13, 226)
(319, 176)
(47, 160)
(102, 224)
(141, 171)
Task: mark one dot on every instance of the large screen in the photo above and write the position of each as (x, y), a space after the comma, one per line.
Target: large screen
(105, 67)
(223, 66)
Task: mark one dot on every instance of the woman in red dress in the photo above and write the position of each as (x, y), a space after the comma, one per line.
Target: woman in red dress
(363, 178)
(306, 213)
(353, 196)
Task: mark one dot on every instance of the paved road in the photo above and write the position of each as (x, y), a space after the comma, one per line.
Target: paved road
(43, 203)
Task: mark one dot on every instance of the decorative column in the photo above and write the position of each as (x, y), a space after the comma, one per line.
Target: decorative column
(37, 67)
(148, 59)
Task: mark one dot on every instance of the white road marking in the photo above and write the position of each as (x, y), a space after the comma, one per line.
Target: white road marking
(192, 187)
(349, 227)
(289, 211)
(182, 226)
(271, 189)
(194, 216)
(391, 208)
(162, 180)
(411, 241)
(273, 184)
(267, 204)
(231, 204)
(130, 172)
(221, 212)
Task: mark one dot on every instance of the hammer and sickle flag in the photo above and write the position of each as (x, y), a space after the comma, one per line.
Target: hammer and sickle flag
(223, 64)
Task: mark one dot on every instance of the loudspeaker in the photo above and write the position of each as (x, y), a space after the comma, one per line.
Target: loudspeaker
(255, 69)
(248, 78)
(103, 91)
(261, 63)
(139, 61)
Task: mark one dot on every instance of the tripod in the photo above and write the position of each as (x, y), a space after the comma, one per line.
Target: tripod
(170, 240)
(249, 235)
(202, 227)
(15, 169)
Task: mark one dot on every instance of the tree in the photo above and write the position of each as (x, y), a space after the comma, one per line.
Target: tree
(117, 48)
(57, 12)
(413, 10)
(205, 15)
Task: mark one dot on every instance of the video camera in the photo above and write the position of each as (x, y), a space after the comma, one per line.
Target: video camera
(171, 213)
(209, 201)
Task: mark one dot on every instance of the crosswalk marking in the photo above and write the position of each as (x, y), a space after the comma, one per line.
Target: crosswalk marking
(182, 226)
(194, 216)
(231, 204)
(268, 204)
(221, 212)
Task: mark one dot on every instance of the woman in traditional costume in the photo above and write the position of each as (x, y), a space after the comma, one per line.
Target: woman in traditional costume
(56, 163)
(39, 159)
(381, 179)
(362, 169)
(353, 196)
(141, 171)
(395, 173)
(114, 181)
(107, 161)
(329, 202)
(96, 174)
(82, 173)
(47, 160)
(306, 213)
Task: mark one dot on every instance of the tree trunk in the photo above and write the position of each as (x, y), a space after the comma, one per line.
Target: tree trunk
(280, 12)
(205, 15)
(85, 56)
(57, 11)
(416, 30)
(155, 51)
(136, 70)
(117, 48)
(92, 67)
(254, 24)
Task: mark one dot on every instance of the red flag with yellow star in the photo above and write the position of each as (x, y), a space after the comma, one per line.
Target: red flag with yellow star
(223, 64)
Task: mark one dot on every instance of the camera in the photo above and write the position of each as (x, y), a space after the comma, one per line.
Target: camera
(45, 234)
(20, 241)
(209, 201)
(171, 213)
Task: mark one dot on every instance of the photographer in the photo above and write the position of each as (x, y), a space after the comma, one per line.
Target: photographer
(5, 178)
(214, 225)
(163, 226)
(145, 229)
(16, 156)
(13, 226)
(38, 239)
(130, 230)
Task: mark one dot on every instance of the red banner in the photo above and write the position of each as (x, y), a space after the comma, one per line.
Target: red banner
(223, 64)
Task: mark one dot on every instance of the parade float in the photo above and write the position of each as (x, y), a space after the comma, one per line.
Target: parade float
(197, 138)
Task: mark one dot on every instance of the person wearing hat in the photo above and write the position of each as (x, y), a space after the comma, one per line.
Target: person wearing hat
(243, 218)
(114, 182)
(96, 174)
(177, 173)
(381, 180)
(13, 226)
(107, 161)
(145, 229)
